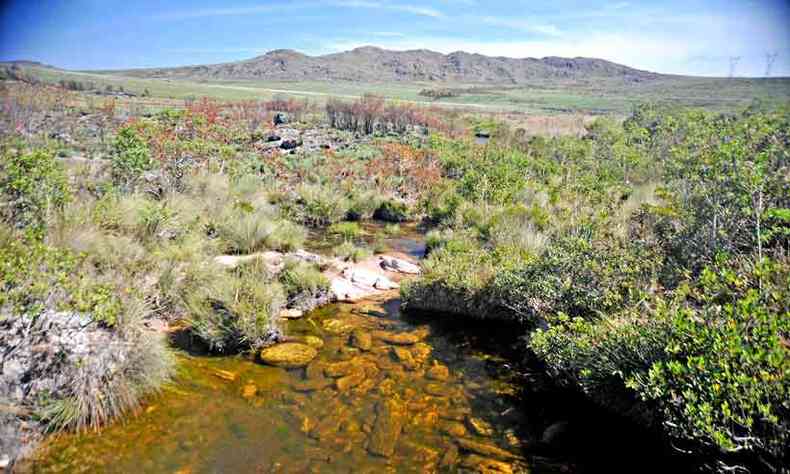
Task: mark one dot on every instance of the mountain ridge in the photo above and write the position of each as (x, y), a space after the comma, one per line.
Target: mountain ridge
(374, 64)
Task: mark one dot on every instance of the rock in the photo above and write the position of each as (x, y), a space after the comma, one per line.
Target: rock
(484, 449)
(486, 466)
(343, 289)
(336, 326)
(404, 357)
(436, 390)
(349, 381)
(387, 428)
(224, 375)
(291, 313)
(289, 355)
(555, 434)
(438, 372)
(272, 137)
(280, 118)
(369, 279)
(290, 144)
(456, 414)
(249, 390)
(453, 428)
(481, 427)
(398, 265)
(312, 384)
(272, 260)
(339, 369)
(361, 340)
(313, 341)
(53, 355)
(402, 339)
(450, 457)
(315, 370)
(421, 352)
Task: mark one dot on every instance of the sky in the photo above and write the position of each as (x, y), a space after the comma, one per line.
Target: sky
(697, 37)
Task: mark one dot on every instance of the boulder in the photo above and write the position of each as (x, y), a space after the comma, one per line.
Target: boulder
(290, 144)
(398, 265)
(281, 118)
(289, 355)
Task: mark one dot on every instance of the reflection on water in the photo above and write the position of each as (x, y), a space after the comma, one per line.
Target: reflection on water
(414, 400)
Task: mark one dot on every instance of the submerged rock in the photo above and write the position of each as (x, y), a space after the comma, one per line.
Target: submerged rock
(484, 449)
(289, 355)
(361, 340)
(403, 339)
(351, 380)
(481, 427)
(337, 326)
(387, 428)
(313, 341)
(404, 356)
(438, 372)
(486, 466)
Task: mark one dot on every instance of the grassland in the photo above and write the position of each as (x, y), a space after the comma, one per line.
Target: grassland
(600, 96)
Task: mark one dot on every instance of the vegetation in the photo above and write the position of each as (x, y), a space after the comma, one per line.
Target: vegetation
(650, 257)
(647, 259)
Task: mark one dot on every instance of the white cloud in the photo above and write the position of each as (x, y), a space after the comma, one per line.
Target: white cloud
(413, 9)
(228, 11)
(527, 26)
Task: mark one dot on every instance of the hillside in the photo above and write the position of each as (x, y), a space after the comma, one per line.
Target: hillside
(371, 64)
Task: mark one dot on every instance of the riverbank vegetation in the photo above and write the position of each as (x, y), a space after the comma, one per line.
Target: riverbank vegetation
(647, 259)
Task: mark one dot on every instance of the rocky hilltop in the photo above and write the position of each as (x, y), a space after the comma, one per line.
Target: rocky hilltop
(375, 64)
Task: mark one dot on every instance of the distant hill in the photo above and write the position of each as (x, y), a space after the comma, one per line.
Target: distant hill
(372, 64)
(25, 63)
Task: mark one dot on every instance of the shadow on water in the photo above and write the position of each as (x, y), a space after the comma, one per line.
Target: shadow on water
(562, 430)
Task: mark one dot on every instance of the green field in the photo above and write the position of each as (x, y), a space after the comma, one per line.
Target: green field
(542, 96)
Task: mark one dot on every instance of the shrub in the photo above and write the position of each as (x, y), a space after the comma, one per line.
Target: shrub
(245, 232)
(350, 252)
(33, 186)
(393, 211)
(319, 205)
(347, 230)
(300, 279)
(235, 311)
(130, 157)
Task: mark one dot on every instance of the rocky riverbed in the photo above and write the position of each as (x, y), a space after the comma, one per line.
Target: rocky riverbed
(371, 392)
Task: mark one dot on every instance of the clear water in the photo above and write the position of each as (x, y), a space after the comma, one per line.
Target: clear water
(204, 422)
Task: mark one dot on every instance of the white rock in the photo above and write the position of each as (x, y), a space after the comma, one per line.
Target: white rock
(399, 265)
(291, 313)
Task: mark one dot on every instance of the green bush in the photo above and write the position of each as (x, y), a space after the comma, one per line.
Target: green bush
(235, 311)
(393, 211)
(33, 187)
(301, 279)
(347, 230)
(130, 157)
(350, 252)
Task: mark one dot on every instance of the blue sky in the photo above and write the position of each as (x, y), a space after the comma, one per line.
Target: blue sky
(684, 37)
